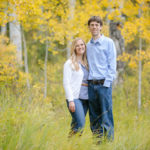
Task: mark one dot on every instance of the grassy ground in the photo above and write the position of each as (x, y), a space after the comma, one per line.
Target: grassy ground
(44, 124)
(41, 126)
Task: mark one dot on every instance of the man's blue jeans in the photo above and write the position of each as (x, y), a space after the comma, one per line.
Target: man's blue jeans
(78, 117)
(100, 110)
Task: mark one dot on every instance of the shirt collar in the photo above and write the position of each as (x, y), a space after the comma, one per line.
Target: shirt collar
(99, 40)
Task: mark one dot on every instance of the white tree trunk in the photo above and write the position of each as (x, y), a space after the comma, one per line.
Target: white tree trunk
(140, 67)
(45, 68)
(26, 64)
(71, 7)
(140, 75)
(15, 37)
(4, 25)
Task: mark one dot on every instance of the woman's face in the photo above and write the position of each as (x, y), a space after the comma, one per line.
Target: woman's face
(80, 48)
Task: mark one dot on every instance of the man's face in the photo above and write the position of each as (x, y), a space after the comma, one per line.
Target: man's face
(95, 28)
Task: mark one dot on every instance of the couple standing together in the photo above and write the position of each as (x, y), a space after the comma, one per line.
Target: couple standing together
(87, 80)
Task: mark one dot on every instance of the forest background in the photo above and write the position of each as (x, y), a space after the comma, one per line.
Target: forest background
(35, 41)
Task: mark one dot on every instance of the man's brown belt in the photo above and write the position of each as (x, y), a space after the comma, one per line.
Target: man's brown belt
(97, 82)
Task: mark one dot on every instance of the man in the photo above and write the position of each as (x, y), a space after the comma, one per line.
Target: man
(101, 55)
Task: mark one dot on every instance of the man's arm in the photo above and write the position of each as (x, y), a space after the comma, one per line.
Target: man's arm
(111, 64)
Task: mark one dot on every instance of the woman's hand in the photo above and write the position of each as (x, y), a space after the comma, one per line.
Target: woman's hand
(72, 106)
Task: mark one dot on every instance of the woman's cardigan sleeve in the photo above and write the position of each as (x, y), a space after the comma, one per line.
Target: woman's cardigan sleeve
(67, 81)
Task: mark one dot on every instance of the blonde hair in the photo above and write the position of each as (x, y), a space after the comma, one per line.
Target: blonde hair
(74, 55)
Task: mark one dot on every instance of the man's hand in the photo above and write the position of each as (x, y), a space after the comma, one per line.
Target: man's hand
(72, 106)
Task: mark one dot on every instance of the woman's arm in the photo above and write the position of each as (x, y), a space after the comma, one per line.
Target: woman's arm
(67, 85)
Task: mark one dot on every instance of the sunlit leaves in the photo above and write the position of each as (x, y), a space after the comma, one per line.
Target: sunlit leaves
(129, 31)
(137, 20)
(7, 61)
(49, 20)
(10, 73)
(133, 60)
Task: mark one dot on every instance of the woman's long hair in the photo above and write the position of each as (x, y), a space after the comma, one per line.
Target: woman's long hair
(74, 55)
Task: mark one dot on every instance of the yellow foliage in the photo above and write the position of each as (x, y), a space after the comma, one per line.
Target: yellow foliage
(7, 62)
(115, 15)
(134, 59)
(132, 64)
(125, 57)
(129, 31)
(10, 74)
(52, 19)
(130, 9)
(137, 20)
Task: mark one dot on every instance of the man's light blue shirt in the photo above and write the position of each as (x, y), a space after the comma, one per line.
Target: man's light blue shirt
(101, 55)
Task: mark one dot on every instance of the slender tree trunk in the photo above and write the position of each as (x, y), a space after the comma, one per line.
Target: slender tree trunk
(15, 37)
(26, 64)
(68, 48)
(71, 7)
(140, 75)
(4, 26)
(4, 30)
(45, 68)
(140, 67)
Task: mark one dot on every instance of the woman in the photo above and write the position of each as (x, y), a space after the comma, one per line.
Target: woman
(76, 85)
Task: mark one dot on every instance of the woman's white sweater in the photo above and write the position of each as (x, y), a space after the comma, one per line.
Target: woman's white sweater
(72, 80)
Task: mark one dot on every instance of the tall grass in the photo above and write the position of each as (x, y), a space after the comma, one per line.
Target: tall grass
(44, 124)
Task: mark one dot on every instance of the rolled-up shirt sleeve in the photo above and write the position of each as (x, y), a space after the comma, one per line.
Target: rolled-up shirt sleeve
(67, 72)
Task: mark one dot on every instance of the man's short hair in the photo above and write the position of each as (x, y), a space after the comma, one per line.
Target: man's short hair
(96, 19)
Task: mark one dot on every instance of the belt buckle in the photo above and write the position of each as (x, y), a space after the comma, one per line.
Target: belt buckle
(94, 82)
(101, 82)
